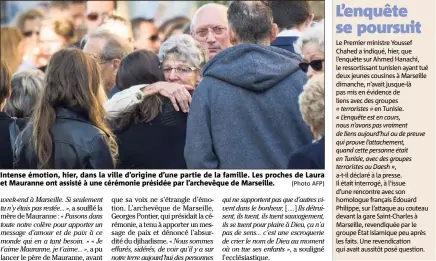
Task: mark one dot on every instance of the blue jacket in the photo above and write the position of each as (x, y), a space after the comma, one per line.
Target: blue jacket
(309, 157)
(285, 42)
(245, 112)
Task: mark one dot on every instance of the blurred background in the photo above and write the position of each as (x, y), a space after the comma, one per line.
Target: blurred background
(158, 10)
(34, 30)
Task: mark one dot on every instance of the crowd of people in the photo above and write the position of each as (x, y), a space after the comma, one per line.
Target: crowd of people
(234, 87)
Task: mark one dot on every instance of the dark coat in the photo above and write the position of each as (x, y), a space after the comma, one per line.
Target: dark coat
(6, 153)
(77, 144)
(309, 157)
(158, 144)
(244, 113)
(285, 42)
(5, 143)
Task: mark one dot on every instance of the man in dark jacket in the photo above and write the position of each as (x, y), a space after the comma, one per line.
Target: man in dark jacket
(245, 113)
(292, 18)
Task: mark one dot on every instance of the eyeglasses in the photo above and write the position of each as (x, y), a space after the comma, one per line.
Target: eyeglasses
(94, 16)
(178, 70)
(217, 30)
(30, 33)
(100, 60)
(315, 64)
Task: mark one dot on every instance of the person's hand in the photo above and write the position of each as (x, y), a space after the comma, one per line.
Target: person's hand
(178, 94)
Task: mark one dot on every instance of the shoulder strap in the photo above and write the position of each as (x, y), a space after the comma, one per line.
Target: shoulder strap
(13, 132)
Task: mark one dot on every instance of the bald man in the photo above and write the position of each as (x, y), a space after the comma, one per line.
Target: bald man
(209, 27)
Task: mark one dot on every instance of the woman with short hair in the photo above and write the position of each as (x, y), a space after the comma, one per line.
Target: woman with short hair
(311, 47)
(67, 130)
(26, 90)
(181, 60)
(162, 129)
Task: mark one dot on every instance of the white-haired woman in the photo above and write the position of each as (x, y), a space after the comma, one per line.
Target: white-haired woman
(311, 47)
(181, 61)
(311, 102)
(27, 87)
(26, 90)
(151, 133)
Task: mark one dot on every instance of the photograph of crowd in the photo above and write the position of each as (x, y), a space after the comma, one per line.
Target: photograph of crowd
(212, 85)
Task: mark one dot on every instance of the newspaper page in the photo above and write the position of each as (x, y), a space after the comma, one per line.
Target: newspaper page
(239, 130)
(384, 152)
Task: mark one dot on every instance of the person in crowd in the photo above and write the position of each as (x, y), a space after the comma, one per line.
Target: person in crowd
(55, 35)
(117, 25)
(292, 18)
(108, 49)
(26, 91)
(29, 23)
(58, 10)
(311, 102)
(76, 12)
(67, 130)
(311, 47)
(6, 158)
(209, 26)
(96, 11)
(172, 27)
(181, 76)
(145, 34)
(12, 45)
(254, 83)
(182, 59)
(139, 67)
(71, 10)
(162, 129)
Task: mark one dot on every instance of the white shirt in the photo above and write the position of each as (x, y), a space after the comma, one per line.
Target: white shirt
(291, 32)
(124, 99)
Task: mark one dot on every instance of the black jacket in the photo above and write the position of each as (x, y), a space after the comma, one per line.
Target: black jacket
(309, 157)
(77, 144)
(6, 154)
(5, 143)
(158, 144)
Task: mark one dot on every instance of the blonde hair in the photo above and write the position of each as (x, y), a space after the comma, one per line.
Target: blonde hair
(10, 39)
(311, 102)
(63, 27)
